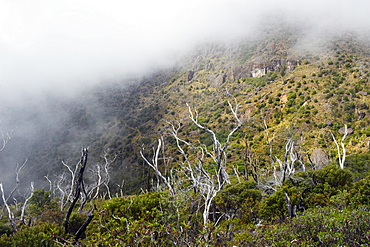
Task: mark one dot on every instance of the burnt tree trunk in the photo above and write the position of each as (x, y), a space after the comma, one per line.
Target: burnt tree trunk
(79, 187)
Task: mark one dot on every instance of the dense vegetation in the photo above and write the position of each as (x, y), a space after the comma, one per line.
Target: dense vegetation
(252, 144)
(331, 210)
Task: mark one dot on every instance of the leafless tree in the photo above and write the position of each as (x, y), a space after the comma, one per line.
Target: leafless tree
(73, 173)
(63, 184)
(102, 177)
(283, 170)
(204, 168)
(341, 153)
(285, 167)
(6, 199)
(6, 135)
(218, 154)
(79, 189)
(154, 165)
(32, 189)
(120, 186)
(18, 169)
(250, 161)
(10, 213)
(206, 182)
(11, 217)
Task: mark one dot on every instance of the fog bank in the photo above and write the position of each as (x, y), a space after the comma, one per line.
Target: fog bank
(66, 45)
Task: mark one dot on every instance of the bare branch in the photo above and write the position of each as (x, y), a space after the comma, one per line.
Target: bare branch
(50, 183)
(218, 155)
(17, 171)
(25, 203)
(6, 136)
(341, 155)
(10, 214)
(73, 177)
(284, 169)
(154, 166)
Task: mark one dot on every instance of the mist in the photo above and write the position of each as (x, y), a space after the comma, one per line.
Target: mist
(65, 46)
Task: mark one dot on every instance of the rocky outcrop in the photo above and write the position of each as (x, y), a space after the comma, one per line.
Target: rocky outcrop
(220, 79)
(319, 157)
(238, 72)
(259, 68)
(343, 130)
(274, 65)
(189, 75)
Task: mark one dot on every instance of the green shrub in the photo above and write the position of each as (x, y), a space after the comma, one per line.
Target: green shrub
(36, 236)
(149, 206)
(359, 165)
(318, 227)
(360, 193)
(239, 199)
(274, 207)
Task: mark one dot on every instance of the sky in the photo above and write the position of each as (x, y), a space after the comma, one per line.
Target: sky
(58, 45)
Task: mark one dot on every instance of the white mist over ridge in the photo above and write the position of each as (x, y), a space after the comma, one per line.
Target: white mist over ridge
(64, 45)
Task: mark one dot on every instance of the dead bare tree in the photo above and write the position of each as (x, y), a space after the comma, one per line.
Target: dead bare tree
(18, 169)
(218, 154)
(285, 168)
(11, 217)
(206, 182)
(32, 189)
(101, 172)
(59, 190)
(69, 189)
(10, 213)
(154, 165)
(50, 183)
(63, 185)
(6, 135)
(120, 186)
(79, 188)
(250, 161)
(341, 154)
(203, 167)
(105, 169)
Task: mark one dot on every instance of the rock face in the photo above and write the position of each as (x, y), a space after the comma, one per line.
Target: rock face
(189, 75)
(343, 130)
(219, 80)
(319, 158)
(259, 68)
(281, 65)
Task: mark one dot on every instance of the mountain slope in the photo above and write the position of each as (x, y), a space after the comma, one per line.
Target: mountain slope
(296, 93)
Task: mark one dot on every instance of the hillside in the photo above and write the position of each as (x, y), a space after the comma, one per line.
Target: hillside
(234, 145)
(299, 94)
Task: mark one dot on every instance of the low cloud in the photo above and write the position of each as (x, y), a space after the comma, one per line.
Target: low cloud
(63, 45)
